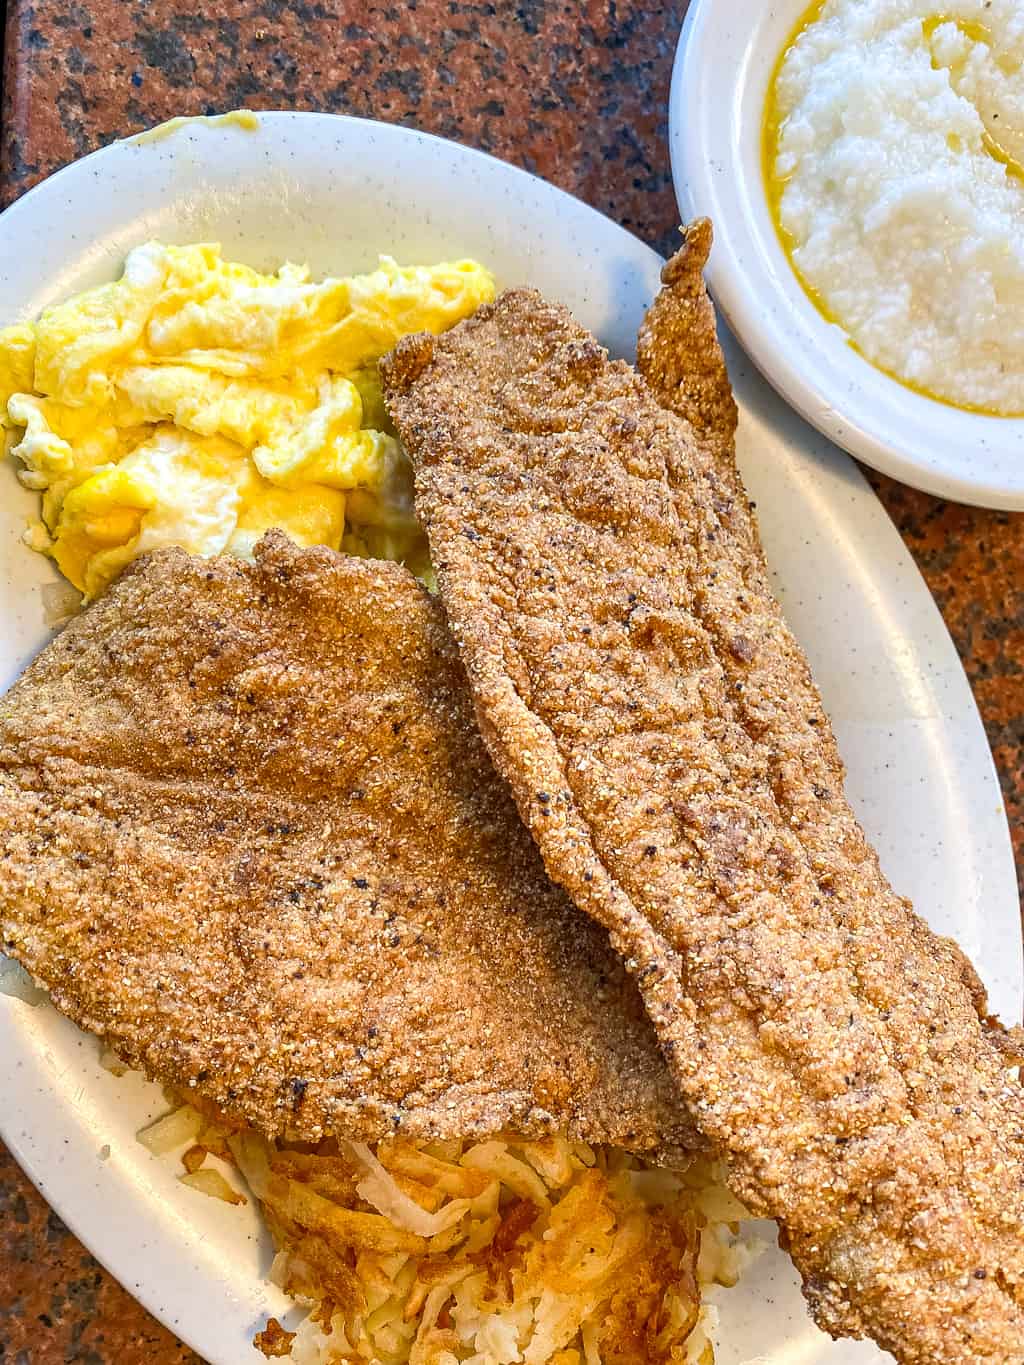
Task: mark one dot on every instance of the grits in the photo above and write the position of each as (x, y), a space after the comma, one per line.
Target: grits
(894, 150)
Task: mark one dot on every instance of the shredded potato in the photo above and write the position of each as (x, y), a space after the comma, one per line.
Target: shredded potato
(542, 1252)
(194, 1158)
(172, 1130)
(211, 1182)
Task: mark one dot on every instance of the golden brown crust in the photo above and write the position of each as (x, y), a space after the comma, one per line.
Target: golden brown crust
(250, 836)
(635, 681)
(678, 352)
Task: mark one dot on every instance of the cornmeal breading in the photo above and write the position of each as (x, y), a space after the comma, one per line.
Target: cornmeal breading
(636, 682)
(250, 835)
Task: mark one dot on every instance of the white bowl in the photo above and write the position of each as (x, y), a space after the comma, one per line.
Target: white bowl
(726, 56)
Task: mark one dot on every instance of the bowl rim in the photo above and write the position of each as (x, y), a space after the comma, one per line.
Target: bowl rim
(719, 79)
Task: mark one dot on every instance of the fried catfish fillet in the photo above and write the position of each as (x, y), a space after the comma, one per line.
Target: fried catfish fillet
(251, 836)
(636, 683)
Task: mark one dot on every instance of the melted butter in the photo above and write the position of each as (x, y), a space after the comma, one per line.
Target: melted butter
(970, 28)
(977, 32)
(234, 118)
(775, 184)
(1000, 154)
(771, 132)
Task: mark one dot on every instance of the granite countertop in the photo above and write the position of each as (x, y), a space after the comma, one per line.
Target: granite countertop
(575, 92)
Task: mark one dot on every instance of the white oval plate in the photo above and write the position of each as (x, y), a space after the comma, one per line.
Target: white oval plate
(334, 192)
(726, 55)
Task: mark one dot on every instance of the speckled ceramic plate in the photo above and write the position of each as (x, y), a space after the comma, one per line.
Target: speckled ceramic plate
(334, 192)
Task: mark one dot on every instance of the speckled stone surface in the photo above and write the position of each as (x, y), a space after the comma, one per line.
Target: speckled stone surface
(576, 92)
(56, 1303)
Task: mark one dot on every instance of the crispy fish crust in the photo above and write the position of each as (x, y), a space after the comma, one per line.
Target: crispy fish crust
(251, 837)
(636, 682)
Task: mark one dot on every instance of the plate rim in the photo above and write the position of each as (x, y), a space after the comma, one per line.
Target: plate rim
(168, 1304)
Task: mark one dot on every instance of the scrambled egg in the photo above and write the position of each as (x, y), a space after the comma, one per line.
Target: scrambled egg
(197, 402)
